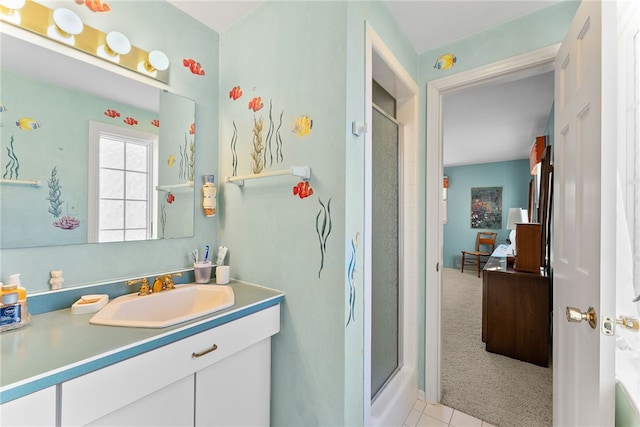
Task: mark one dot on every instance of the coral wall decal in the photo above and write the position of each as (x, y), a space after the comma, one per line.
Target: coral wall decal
(351, 271)
(234, 154)
(323, 228)
(13, 165)
(256, 150)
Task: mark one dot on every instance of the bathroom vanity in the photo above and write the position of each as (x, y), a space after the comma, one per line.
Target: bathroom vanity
(213, 370)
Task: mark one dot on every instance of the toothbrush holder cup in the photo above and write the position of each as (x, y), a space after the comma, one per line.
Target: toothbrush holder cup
(202, 270)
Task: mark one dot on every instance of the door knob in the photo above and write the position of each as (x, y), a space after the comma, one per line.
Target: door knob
(575, 315)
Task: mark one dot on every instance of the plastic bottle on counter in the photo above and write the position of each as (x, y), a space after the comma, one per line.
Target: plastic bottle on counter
(13, 286)
(11, 313)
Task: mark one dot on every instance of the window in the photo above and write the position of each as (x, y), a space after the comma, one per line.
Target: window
(122, 178)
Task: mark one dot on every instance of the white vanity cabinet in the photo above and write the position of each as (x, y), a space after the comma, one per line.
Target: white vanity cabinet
(220, 376)
(35, 409)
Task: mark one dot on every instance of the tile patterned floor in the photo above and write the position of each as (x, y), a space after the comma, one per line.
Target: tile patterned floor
(426, 414)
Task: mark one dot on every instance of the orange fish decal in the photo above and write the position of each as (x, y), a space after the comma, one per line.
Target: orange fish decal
(235, 93)
(111, 113)
(194, 66)
(130, 121)
(255, 104)
(302, 190)
(155, 122)
(170, 198)
(192, 129)
(95, 5)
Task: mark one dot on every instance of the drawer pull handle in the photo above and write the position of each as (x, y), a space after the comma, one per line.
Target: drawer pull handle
(202, 353)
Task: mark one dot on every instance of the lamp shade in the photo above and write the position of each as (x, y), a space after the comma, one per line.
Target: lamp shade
(516, 216)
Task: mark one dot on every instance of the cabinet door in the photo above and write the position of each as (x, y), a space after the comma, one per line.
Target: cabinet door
(171, 406)
(236, 391)
(35, 409)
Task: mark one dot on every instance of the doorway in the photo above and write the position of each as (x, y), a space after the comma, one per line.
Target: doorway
(395, 399)
(520, 66)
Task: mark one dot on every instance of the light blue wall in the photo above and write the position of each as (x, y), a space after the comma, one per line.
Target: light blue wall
(540, 29)
(306, 58)
(179, 36)
(514, 179)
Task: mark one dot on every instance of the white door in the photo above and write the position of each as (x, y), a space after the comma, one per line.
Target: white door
(584, 218)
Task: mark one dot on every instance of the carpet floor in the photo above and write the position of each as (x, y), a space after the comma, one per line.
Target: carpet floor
(497, 389)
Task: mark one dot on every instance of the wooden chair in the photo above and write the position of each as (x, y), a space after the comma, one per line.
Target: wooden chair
(485, 245)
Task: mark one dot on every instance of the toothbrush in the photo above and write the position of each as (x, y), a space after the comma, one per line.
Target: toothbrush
(206, 253)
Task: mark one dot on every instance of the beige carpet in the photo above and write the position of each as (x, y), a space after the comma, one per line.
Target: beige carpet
(497, 389)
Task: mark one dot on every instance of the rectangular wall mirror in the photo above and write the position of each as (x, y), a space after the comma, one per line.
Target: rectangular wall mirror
(110, 158)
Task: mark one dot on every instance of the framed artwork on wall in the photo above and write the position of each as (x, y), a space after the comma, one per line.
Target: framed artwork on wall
(486, 207)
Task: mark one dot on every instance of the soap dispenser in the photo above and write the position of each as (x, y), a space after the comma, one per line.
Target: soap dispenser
(209, 192)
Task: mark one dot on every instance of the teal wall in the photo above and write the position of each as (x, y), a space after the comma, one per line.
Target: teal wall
(179, 36)
(313, 64)
(512, 176)
(534, 31)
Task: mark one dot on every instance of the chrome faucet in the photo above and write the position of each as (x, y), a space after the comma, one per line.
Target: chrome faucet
(144, 287)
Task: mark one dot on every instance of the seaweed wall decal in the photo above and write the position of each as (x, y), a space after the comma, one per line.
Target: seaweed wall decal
(55, 191)
(256, 151)
(279, 156)
(163, 219)
(323, 228)
(351, 270)
(187, 154)
(13, 165)
(234, 154)
(269, 137)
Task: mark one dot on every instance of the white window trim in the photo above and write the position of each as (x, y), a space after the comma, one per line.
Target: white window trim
(93, 181)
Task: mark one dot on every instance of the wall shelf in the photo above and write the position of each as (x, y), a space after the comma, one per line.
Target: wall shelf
(171, 187)
(303, 172)
(32, 182)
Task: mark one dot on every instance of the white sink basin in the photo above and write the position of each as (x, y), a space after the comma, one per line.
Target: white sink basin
(166, 308)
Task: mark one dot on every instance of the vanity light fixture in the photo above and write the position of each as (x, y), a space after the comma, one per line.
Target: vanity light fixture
(116, 44)
(68, 29)
(67, 24)
(9, 9)
(156, 61)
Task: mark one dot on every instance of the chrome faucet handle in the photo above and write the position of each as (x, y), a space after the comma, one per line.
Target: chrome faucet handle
(144, 287)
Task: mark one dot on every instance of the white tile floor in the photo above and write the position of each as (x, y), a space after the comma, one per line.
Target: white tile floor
(426, 414)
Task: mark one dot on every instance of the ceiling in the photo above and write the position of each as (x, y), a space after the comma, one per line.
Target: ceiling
(487, 124)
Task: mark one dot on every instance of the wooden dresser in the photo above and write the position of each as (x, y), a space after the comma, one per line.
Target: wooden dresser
(516, 308)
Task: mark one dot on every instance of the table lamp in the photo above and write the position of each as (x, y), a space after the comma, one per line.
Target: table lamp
(516, 216)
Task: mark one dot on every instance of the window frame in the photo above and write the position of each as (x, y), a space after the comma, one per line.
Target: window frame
(96, 131)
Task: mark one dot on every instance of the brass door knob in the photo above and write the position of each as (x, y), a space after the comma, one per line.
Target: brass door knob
(575, 315)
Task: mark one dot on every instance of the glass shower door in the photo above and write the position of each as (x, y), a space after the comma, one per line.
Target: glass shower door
(385, 244)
